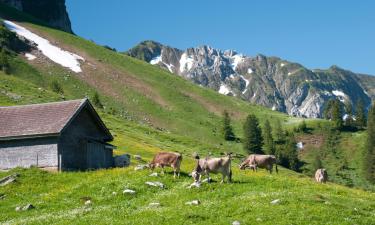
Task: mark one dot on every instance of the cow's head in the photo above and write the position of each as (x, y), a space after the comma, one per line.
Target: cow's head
(151, 165)
(243, 165)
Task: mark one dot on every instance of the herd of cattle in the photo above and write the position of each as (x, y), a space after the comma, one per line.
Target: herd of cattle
(221, 165)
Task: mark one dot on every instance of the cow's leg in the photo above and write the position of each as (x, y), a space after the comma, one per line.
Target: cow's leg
(222, 178)
(208, 177)
(162, 170)
(270, 168)
(230, 176)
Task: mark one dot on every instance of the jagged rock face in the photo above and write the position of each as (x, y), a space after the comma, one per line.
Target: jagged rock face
(53, 12)
(268, 81)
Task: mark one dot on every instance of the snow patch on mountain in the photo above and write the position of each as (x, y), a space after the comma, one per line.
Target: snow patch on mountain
(341, 95)
(247, 84)
(56, 54)
(155, 60)
(186, 63)
(236, 59)
(224, 89)
(30, 56)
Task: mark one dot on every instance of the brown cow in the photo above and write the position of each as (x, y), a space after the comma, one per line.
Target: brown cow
(321, 175)
(213, 165)
(170, 159)
(254, 161)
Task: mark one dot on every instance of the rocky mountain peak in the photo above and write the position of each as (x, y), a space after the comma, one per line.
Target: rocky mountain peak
(53, 12)
(269, 81)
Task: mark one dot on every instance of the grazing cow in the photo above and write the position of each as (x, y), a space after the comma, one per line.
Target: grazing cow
(254, 161)
(170, 159)
(321, 175)
(213, 165)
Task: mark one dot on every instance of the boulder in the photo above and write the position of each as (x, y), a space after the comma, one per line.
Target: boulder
(8, 179)
(154, 204)
(155, 184)
(141, 167)
(25, 208)
(122, 160)
(194, 202)
(128, 191)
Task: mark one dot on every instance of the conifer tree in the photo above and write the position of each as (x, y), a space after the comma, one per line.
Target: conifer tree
(337, 115)
(227, 128)
(269, 145)
(369, 152)
(360, 116)
(253, 140)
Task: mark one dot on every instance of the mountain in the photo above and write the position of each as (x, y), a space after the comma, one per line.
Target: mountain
(52, 12)
(269, 81)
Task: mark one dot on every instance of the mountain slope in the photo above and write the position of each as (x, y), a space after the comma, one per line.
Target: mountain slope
(268, 81)
(133, 90)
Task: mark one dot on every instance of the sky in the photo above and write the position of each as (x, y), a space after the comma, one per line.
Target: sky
(316, 34)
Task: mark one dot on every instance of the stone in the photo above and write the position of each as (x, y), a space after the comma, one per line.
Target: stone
(194, 202)
(236, 223)
(138, 157)
(114, 193)
(88, 202)
(195, 184)
(8, 179)
(154, 204)
(276, 201)
(25, 208)
(28, 207)
(154, 175)
(128, 191)
(140, 167)
(155, 184)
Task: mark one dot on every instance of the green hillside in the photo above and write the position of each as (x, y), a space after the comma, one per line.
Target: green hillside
(149, 110)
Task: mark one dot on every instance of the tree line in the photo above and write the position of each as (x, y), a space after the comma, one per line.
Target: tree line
(267, 140)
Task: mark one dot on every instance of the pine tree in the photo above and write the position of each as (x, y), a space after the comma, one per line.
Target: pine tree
(369, 152)
(317, 164)
(290, 152)
(327, 113)
(360, 114)
(253, 140)
(349, 112)
(337, 115)
(279, 133)
(227, 128)
(4, 61)
(96, 100)
(269, 145)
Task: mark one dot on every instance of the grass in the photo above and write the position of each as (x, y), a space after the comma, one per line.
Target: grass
(59, 199)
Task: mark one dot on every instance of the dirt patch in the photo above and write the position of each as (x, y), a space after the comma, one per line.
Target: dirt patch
(98, 74)
(213, 107)
(311, 141)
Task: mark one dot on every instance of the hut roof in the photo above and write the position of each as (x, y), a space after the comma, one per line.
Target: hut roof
(47, 119)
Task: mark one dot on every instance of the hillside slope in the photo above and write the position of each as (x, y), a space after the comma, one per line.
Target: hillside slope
(269, 81)
(131, 90)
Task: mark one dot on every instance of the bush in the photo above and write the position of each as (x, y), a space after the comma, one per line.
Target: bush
(96, 100)
(56, 87)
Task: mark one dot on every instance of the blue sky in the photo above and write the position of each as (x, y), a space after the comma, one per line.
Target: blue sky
(316, 33)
